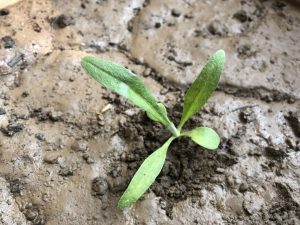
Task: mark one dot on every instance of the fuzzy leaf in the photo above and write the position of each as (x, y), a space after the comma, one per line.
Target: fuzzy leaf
(145, 175)
(127, 84)
(162, 106)
(204, 136)
(203, 86)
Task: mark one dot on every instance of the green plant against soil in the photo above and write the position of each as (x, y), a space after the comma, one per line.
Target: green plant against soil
(127, 84)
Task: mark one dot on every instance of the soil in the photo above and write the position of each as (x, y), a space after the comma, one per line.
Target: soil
(69, 147)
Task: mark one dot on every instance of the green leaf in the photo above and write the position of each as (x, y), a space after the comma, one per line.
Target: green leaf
(204, 136)
(152, 117)
(203, 86)
(127, 84)
(145, 175)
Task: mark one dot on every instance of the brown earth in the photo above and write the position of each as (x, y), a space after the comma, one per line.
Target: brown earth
(69, 147)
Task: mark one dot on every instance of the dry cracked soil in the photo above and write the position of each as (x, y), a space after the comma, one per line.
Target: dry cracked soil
(69, 147)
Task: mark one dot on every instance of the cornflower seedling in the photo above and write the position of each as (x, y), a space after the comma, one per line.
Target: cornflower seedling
(127, 84)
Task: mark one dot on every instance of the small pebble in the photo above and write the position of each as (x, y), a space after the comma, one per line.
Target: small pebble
(55, 116)
(30, 214)
(52, 158)
(36, 27)
(63, 21)
(215, 28)
(99, 186)
(230, 180)
(243, 187)
(66, 172)
(80, 146)
(88, 158)
(157, 25)
(175, 13)
(220, 170)
(247, 115)
(8, 42)
(241, 16)
(12, 129)
(40, 137)
(252, 203)
(4, 12)
(2, 111)
(4, 69)
(25, 94)
(147, 72)
(16, 59)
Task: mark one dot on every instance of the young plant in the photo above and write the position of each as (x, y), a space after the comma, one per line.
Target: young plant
(127, 84)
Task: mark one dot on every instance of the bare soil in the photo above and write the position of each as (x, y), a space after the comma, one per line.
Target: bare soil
(69, 147)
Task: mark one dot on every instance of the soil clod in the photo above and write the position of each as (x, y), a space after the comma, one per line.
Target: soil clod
(62, 21)
(12, 129)
(99, 186)
(241, 16)
(67, 171)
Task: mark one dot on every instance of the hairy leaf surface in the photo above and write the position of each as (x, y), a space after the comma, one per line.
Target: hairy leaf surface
(145, 175)
(203, 86)
(152, 117)
(127, 84)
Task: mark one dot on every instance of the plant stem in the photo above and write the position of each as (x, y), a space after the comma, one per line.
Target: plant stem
(173, 130)
(180, 126)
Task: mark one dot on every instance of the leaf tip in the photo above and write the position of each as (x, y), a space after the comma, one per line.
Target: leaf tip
(220, 56)
(84, 61)
(123, 203)
(205, 137)
(221, 52)
(215, 146)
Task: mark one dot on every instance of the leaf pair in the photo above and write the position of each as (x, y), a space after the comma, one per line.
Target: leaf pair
(127, 84)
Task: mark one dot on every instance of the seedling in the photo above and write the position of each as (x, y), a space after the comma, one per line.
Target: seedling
(127, 84)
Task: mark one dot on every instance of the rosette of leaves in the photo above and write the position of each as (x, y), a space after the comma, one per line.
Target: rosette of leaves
(124, 82)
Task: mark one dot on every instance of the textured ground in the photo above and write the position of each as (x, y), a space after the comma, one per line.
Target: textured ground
(69, 147)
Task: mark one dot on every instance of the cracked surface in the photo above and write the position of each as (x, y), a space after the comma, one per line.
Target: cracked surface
(69, 147)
